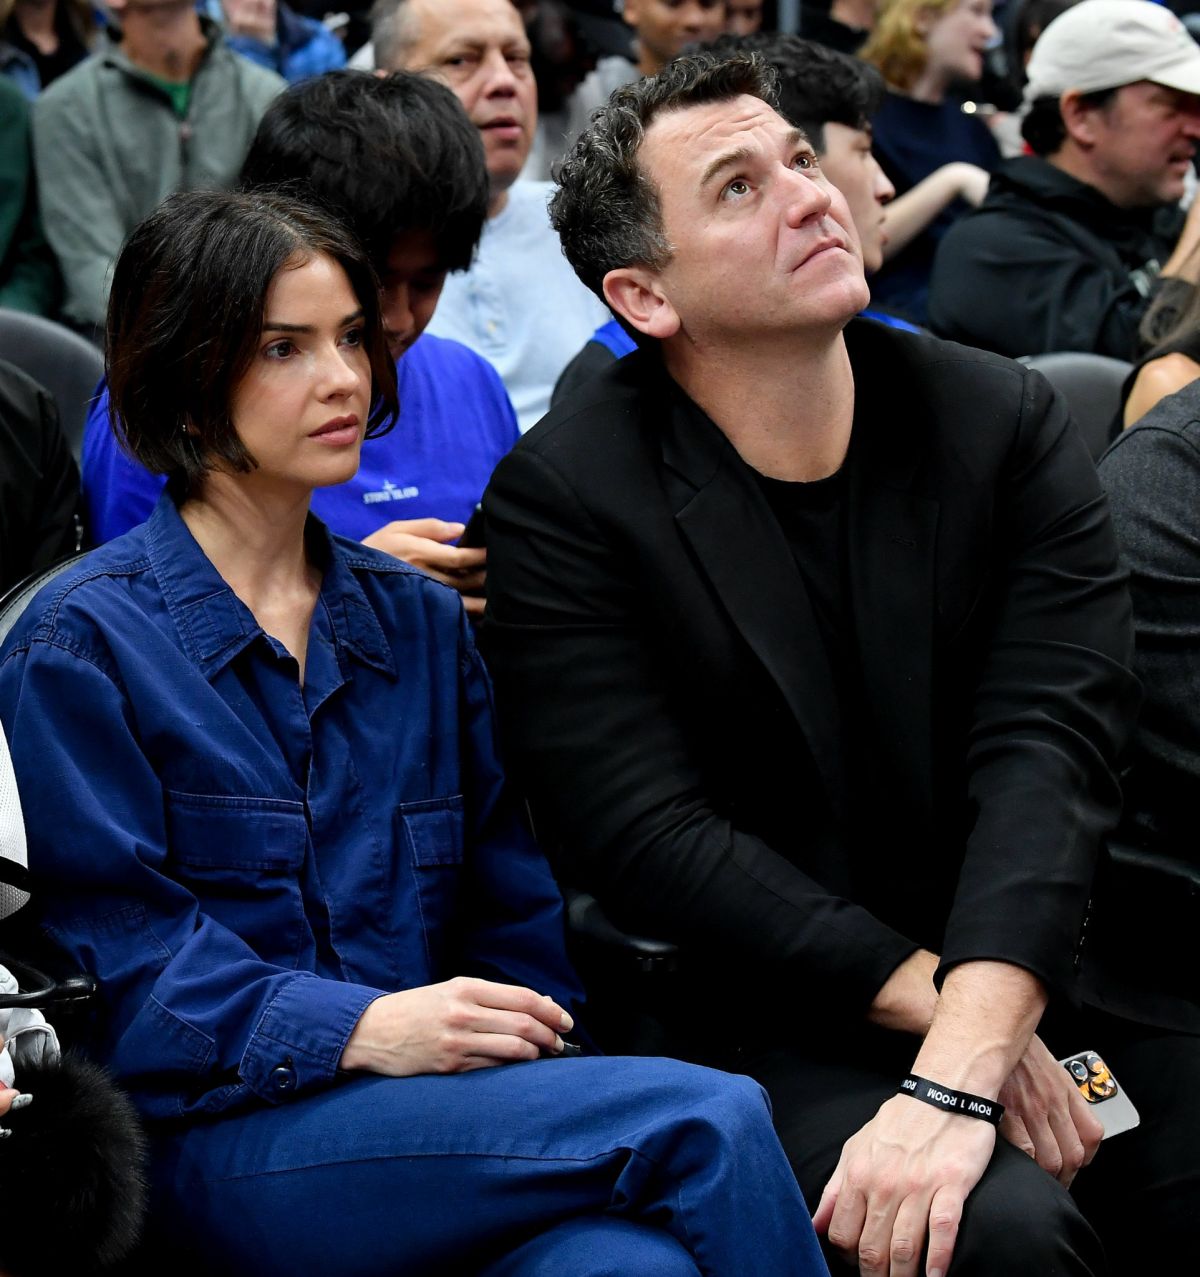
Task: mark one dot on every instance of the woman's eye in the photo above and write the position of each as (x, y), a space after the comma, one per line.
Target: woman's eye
(279, 350)
(354, 337)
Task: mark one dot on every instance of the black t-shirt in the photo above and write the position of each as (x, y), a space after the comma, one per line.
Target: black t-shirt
(813, 519)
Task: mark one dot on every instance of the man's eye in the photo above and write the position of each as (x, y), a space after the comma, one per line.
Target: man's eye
(739, 186)
(804, 161)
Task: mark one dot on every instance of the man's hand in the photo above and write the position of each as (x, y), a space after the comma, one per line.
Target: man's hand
(424, 544)
(906, 1173)
(1046, 1117)
(454, 1027)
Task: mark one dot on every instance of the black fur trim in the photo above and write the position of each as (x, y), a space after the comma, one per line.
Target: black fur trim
(72, 1173)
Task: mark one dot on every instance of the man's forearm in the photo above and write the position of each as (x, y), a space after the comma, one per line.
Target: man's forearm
(981, 1026)
(908, 998)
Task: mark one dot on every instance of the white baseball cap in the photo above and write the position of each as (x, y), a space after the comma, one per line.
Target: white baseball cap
(1103, 44)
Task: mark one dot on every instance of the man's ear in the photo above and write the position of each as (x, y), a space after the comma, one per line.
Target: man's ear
(1078, 117)
(636, 294)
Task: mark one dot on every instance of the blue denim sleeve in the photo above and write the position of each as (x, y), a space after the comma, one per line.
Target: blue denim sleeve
(515, 924)
(195, 1021)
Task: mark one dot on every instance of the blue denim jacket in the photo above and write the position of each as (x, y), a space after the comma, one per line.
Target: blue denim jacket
(244, 862)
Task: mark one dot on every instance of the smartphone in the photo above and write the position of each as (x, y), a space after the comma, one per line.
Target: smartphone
(472, 537)
(1096, 1083)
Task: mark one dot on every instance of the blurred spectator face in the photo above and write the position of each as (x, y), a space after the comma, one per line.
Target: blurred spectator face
(851, 166)
(955, 40)
(1142, 143)
(664, 26)
(479, 49)
(411, 281)
(743, 17)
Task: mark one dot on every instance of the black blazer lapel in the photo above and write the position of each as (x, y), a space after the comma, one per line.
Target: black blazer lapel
(739, 546)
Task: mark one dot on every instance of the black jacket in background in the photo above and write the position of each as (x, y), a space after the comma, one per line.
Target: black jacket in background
(1047, 263)
(665, 694)
(1148, 912)
(39, 481)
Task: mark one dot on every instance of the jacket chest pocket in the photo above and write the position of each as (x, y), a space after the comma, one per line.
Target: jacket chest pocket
(431, 831)
(242, 858)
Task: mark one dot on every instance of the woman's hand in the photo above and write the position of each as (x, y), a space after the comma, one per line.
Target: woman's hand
(453, 1027)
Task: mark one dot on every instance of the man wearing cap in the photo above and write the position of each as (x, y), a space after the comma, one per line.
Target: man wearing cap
(1073, 242)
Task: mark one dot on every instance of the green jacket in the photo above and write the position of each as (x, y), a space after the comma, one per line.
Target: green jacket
(109, 147)
(28, 275)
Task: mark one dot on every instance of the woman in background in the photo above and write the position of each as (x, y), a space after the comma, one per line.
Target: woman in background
(926, 50)
(1172, 361)
(42, 39)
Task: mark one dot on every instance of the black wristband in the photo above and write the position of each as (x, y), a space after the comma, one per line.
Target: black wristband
(941, 1097)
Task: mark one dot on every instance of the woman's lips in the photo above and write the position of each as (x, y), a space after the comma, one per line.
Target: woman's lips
(338, 431)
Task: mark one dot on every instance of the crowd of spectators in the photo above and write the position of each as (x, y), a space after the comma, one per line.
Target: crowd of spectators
(816, 649)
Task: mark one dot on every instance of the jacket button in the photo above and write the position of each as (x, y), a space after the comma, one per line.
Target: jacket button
(283, 1078)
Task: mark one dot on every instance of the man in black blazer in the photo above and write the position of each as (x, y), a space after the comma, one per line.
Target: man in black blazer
(811, 650)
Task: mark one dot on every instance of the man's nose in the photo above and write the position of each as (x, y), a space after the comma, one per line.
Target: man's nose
(806, 197)
(694, 18)
(499, 79)
(397, 310)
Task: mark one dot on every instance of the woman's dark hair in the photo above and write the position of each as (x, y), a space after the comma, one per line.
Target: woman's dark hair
(386, 155)
(185, 313)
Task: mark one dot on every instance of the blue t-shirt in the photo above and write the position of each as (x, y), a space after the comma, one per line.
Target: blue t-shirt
(456, 422)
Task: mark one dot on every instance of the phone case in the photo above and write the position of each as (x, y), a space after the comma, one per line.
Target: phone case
(1096, 1083)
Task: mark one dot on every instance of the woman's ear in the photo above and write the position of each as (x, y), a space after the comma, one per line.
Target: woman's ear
(635, 293)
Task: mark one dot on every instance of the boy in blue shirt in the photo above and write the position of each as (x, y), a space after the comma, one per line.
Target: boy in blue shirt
(399, 162)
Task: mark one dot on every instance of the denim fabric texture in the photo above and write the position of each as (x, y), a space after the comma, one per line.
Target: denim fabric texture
(246, 862)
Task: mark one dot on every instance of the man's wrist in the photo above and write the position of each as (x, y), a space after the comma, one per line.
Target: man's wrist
(964, 1103)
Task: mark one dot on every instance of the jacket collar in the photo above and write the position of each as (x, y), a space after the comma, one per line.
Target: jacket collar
(214, 625)
(891, 528)
(1033, 179)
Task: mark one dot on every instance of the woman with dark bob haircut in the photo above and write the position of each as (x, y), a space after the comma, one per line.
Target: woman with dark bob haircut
(264, 808)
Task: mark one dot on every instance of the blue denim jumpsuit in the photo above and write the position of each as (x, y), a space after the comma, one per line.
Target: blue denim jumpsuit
(246, 862)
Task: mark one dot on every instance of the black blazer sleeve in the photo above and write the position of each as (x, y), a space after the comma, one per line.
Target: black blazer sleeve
(609, 769)
(1052, 704)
